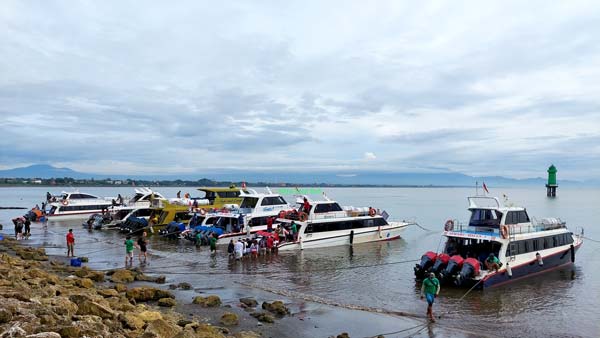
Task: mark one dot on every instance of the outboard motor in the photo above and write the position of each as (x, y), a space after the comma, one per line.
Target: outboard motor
(440, 263)
(454, 265)
(469, 270)
(426, 263)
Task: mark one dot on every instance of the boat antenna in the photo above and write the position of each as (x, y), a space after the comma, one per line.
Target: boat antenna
(268, 190)
(476, 188)
(325, 196)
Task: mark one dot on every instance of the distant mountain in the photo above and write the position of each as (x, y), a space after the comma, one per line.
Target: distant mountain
(42, 171)
(342, 178)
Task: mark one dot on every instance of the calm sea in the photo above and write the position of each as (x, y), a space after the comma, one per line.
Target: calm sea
(562, 303)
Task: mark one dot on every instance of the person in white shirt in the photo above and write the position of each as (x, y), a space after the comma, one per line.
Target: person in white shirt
(239, 249)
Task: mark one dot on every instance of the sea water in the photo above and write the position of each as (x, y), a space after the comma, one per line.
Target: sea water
(561, 303)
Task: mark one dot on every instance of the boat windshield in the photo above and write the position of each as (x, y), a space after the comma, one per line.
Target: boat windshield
(471, 247)
(327, 207)
(485, 218)
(249, 202)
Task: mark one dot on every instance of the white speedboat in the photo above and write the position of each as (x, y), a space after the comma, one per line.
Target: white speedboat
(327, 224)
(523, 247)
(77, 205)
(255, 209)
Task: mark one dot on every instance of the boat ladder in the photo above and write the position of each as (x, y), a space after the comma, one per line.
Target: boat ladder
(512, 244)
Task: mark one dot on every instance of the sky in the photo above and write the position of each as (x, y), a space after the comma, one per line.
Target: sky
(127, 87)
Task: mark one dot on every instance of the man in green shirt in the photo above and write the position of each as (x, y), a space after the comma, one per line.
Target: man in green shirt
(213, 244)
(430, 290)
(294, 230)
(129, 250)
(492, 262)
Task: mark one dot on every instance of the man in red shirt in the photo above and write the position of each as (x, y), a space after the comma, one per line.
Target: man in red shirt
(270, 224)
(70, 243)
(306, 206)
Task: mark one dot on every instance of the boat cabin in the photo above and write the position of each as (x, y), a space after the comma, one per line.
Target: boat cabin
(145, 195)
(218, 197)
(76, 195)
(321, 209)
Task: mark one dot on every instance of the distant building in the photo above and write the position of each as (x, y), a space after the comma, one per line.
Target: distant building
(118, 182)
(36, 181)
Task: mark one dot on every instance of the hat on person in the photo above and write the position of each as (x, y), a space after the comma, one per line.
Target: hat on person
(431, 274)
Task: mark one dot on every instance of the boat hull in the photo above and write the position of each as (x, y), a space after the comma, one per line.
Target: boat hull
(345, 237)
(74, 215)
(532, 268)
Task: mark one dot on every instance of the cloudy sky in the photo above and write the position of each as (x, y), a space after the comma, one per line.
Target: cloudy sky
(182, 87)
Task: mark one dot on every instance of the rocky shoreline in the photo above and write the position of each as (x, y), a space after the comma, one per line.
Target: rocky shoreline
(45, 297)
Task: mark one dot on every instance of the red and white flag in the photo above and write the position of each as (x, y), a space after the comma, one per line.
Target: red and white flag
(243, 185)
(485, 188)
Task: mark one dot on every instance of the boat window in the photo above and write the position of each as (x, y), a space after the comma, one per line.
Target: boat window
(249, 202)
(484, 217)
(258, 221)
(144, 212)
(327, 207)
(52, 210)
(522, 217)
(278, 200)
(228, 194)
(182, 216)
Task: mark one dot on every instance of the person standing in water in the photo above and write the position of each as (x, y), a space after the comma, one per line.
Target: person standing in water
(129, 250)
(143, 246)
(430, 290)
(70, 243)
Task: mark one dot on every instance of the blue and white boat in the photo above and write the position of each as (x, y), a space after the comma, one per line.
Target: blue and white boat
(524, 247)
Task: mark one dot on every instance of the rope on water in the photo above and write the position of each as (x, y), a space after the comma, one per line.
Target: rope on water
(591, 239)
(421, 326)
(422, 227)
(471, 289)
(274, 272)
(320, 300)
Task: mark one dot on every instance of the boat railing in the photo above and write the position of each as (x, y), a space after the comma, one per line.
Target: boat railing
(464, 226)
(516, 229)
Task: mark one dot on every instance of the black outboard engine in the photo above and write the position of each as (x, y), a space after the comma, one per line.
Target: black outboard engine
(427, 261)
(440, 263)
(454, 265)
(470, 269)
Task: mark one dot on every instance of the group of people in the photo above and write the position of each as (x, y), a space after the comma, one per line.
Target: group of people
(253, 247)
(22, 227)
(141, 244)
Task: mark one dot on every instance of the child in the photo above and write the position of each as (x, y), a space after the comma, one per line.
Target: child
(129, 250)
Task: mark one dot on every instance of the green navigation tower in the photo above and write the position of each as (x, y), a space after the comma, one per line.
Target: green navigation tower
(551, 185)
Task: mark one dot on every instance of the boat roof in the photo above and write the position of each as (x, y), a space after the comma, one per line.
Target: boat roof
(491, 203)
(220, 189)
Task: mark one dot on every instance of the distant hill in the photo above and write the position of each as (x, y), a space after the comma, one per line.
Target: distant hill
(344, 178)
(42, 171)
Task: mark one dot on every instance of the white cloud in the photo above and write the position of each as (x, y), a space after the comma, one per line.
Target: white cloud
(302, 85)
(370, 156)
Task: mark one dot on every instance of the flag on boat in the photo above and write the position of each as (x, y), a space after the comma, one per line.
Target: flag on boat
(243, 185)
(385, 215)
(485, 188)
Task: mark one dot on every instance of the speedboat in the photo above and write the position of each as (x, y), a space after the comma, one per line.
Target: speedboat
(180, 210)
(325, 223)
(74, 204)
(523, 247)
(251, 216)
(77, 205)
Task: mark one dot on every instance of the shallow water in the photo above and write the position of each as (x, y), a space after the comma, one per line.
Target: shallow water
(562, 303)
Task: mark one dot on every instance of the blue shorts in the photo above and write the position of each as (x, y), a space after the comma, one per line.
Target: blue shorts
(430, 298)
